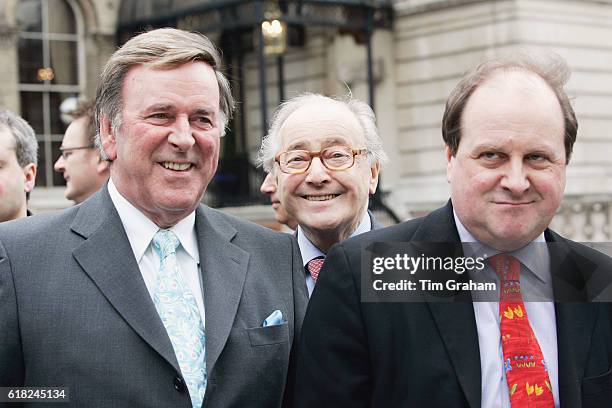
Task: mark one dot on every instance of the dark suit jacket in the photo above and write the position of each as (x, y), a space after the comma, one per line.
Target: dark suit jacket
(75, 312)
(426, 354)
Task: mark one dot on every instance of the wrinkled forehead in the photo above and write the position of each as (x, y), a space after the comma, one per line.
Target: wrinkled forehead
(316, 126)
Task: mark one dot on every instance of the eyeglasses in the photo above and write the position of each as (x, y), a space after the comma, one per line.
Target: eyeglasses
(334, 158)
(66, 151)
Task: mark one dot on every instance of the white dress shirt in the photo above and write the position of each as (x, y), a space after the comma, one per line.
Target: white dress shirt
(536, 283)
(309, 251)
(140, 231)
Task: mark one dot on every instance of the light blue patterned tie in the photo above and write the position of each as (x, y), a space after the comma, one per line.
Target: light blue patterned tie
(179, 313)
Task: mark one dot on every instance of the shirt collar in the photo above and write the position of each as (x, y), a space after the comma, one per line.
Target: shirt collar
(309, 251)
(140, 229)
(534, 255)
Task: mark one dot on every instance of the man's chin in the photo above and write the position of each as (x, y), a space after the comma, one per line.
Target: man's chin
(69, 195)
(509, 240)
(178, 201)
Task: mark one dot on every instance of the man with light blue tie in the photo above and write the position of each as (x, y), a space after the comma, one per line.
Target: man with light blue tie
(141, 296)
(538, 339)
(325, 155)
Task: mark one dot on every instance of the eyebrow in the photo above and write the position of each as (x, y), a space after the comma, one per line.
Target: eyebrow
(332, 141)
(203, 111)
(166, 107)
(486, 146)
(159, 107)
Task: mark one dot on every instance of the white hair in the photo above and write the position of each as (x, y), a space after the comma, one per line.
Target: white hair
(363, 113)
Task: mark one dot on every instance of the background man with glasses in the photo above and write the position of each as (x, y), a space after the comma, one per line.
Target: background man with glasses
(80, 163)
(326, 156)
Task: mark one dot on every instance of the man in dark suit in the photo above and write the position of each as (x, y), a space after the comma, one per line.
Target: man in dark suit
(509, 130)
(324, 155)
(141, 296)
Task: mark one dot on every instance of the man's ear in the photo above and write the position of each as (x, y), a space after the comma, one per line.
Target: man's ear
(29, 173)
(102, 166)
(449, 162)
(108, 138)
(374, 171)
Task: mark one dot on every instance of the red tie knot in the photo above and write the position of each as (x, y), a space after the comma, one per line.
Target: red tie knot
(507, 267)
(314, 267)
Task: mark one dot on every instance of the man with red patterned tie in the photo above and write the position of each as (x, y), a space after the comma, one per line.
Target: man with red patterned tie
(509, 129)
(325, 169)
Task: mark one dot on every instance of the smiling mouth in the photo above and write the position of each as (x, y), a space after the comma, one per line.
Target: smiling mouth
(321, 197)
(176, 166)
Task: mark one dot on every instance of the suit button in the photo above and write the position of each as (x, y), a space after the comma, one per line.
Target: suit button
(179, 384)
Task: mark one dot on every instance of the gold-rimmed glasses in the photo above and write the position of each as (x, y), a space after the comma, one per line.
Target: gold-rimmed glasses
(334, 158)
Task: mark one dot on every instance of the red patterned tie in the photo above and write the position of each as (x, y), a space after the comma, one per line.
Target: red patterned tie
(524, 365)
(314, 267)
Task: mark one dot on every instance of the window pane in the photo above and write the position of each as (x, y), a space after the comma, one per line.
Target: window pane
(58, 178)
(55, 100)
(64, 62)
(30, 60)
(41, 172)
(32, 110)
(61, 17)
(29, 15)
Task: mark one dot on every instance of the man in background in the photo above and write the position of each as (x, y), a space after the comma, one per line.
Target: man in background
(18, 160)
(269, 187)
(325, 154)
(80, 162)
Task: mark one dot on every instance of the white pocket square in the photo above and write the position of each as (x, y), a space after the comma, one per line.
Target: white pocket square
(274, 319)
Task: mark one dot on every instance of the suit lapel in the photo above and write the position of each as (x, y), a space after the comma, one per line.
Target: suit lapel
(455, 321)
(457, 326)
(106, 256)
(575, 317)
(224, 267)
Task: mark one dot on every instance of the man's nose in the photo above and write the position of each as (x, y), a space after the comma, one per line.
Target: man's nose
(516, 177)
(60, 164)
(268, 186)
(181, 135)
(317, 173)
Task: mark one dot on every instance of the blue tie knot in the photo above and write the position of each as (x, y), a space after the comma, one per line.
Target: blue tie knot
(165, 243)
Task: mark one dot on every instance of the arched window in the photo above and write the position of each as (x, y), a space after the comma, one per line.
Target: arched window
(50, 71)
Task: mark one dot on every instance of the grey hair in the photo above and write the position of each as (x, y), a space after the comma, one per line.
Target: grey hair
(26, 145)
(163, 48)
(362, 111)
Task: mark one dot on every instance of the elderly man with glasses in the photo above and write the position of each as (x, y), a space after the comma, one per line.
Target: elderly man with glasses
(325, 154)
